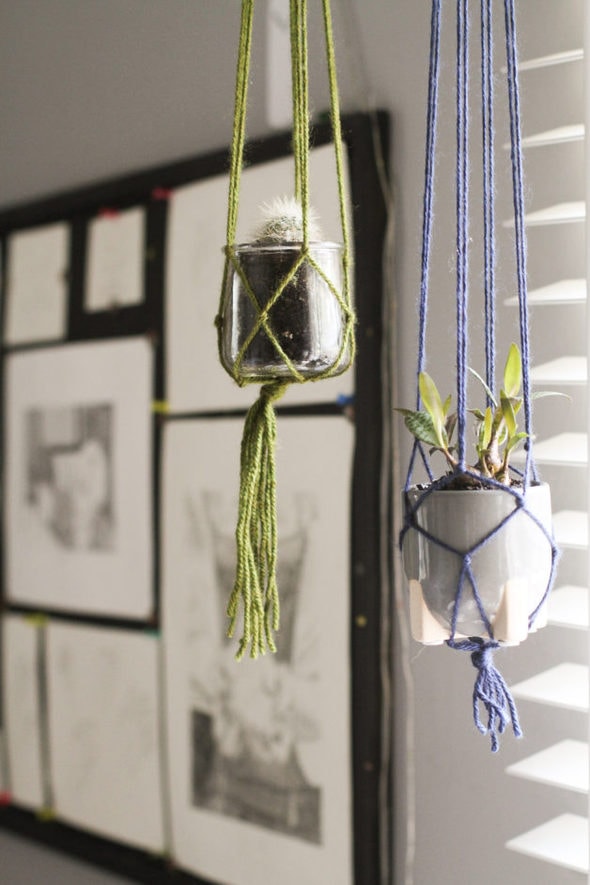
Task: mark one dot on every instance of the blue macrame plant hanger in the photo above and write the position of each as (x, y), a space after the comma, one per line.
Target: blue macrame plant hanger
(491, 691)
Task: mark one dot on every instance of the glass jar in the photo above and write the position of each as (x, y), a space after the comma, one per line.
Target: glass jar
(307, 320)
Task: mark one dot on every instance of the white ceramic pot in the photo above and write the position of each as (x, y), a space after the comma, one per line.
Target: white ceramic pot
(511, 569)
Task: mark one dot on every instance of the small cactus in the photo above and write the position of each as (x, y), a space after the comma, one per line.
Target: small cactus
(283, 223)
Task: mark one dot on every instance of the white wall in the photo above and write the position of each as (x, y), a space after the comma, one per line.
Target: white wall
(94, 88)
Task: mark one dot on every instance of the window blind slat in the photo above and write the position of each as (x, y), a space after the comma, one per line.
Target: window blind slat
(564, 765)
(559, 135)
(565, 686)
(561, 292)
(562, 841)
(555, 58)
(566, 449)
(563, 370)
(571, 528)
(559, 213)
(568, 607)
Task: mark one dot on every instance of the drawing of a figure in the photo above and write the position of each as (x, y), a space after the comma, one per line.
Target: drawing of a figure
(251, 722)
(69, 479)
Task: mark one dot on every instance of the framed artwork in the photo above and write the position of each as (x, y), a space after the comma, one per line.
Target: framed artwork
(37, 279)
(115, 260)
(22, 688)
(258, 754)
(104, 733)
(78, 505)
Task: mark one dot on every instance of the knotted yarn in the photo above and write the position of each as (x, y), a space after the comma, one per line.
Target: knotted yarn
(490, 691)
(255, 589)
(256, 533)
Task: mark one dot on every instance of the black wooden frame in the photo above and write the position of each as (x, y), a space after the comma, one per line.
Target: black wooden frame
(366, 137)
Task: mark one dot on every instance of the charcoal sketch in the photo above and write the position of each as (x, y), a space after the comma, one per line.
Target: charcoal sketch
(69, 474)
(78, 498)
(250, 721)
(114, 270)
(258, 750)
(103, 731)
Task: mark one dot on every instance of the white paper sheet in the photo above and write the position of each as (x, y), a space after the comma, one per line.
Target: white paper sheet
(196, 236)
(259, 751)
(36, 284)
(78, 507)
(104, 732)
(115, 252)
(22, 711)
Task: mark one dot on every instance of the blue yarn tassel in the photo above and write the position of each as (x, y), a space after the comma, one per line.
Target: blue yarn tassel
(490, 691)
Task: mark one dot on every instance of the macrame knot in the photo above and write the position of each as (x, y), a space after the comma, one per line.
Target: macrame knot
(271, 392)
(490, 691)
(483, 658)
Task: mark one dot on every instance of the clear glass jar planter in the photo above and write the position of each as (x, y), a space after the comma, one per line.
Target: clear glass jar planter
(307, 320)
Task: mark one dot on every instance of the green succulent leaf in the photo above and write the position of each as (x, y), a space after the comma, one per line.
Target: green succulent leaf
(496, 428)
(433, 405)
(513, 371)
(508, 414)
(484, 385)
(485, 430)
(540, 394)
(515, 440)
(421, 426)
(450, 425)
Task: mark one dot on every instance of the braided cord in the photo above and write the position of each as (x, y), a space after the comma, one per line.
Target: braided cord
(462, 213)
(519, 228)
(487, 113)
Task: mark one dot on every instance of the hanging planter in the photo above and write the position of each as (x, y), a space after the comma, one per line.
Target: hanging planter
(475, 544)
(285, 316)
(509, 567)
(477, 541)
(283, 310)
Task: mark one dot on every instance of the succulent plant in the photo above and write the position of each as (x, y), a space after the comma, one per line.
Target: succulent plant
(496, 431)
(282, 222)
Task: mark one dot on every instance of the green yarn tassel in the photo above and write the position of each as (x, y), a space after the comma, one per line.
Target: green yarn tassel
(256, 533)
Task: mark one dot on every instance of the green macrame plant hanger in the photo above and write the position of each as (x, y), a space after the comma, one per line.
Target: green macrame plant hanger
(285, 316)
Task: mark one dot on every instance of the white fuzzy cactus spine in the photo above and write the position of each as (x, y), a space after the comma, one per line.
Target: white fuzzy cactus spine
(282, 222)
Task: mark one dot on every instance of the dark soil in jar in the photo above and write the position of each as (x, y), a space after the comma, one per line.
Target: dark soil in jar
(291, 319)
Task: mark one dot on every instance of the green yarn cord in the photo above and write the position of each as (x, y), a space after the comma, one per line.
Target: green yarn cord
(256, 533)
(255, 589)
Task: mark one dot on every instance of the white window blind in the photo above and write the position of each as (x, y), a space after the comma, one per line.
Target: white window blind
(556, 203)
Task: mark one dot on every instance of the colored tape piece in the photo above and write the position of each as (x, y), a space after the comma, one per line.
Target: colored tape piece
(5, 798)
(108, 212)
(37, 619)
(160, 407)
(161, 193)
(46, 815)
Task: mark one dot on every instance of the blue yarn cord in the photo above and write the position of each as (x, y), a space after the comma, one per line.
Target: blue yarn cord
(462, 210)
(428, 199)
(490, 691)
(530, 470)
(427, 219)
(487, 106)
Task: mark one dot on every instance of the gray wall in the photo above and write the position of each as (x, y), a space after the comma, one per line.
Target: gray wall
(93, 88)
